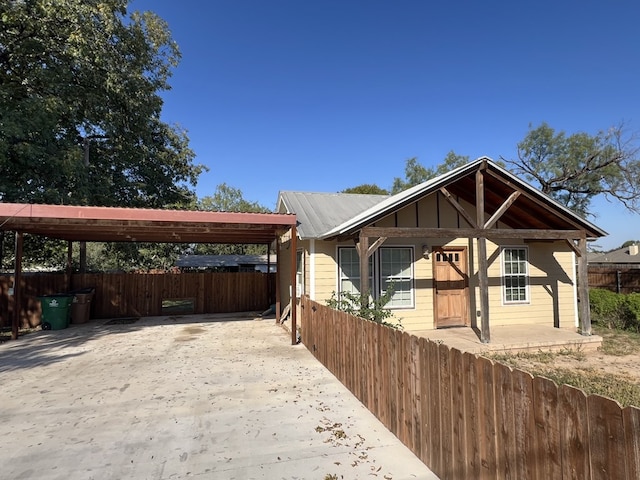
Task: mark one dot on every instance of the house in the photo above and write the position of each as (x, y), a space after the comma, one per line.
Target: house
(476, 247)
(617, 270)
(228, 263)
(627, 257)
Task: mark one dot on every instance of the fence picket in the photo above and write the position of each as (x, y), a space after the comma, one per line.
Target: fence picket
(547, 433)
(631, 420)
(606, 438)
(506, 447)
(526, 455)
(468, 417)
(574, 433)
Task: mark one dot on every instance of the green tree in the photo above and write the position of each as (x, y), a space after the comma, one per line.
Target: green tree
(367, 188)
(415, 173)
(574, 169)
(80, 106)
(229, 199)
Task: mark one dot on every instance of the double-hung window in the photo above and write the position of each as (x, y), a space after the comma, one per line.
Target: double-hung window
(389, 267)
(515, 275)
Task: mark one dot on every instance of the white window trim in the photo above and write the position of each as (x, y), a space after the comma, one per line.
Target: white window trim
(300, 286)
(503, 291)
(377, 279)
(312, 269)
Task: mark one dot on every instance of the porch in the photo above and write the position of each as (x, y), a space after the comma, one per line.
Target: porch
(512, 338)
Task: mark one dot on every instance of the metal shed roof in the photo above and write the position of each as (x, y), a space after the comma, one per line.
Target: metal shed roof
(77, 223)
(319, 212)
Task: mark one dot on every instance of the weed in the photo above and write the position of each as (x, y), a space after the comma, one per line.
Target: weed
(618, 342)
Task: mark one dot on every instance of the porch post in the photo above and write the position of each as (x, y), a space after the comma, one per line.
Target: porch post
(363, 247)
(278, 273)
(583, 287)
(483, 280)
(17, 286)
(294, 294)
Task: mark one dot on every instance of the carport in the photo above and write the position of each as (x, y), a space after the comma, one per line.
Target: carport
(110, 224)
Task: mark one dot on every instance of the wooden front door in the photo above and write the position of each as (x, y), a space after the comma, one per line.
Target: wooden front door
(450, 281)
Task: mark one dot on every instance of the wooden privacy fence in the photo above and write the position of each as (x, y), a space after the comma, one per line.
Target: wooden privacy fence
(620, 280)
(465, 416)
(120, 295)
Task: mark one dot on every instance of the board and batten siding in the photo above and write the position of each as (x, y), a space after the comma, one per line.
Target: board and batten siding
(552, 294)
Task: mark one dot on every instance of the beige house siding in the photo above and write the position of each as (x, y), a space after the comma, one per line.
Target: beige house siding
(552, 293)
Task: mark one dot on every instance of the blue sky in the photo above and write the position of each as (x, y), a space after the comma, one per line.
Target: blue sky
(325, 95)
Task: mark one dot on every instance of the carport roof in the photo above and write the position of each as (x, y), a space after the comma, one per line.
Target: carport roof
(79, 223)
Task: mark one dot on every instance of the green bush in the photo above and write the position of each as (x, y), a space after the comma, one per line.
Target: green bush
(633, 303)
(615, 310)
(373, 310)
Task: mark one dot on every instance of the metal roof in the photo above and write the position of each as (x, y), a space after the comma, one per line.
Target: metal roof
(76, 223)
(318, 213)
(534, 210)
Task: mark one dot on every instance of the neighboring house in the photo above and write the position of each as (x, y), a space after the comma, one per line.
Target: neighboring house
(471, 246)
(618, 270)
(227, 263)
(625, 257)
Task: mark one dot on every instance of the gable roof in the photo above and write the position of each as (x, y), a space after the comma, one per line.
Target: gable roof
(532, 210)
(624, 255)
(318, 213)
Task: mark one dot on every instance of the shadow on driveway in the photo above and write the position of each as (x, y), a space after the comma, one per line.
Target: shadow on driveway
(220, 397)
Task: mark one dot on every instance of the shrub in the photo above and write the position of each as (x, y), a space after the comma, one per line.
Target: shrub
(615, 310)
(374, 310)
(633, 303)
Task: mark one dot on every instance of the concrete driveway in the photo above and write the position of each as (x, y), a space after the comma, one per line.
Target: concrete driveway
(208, 397)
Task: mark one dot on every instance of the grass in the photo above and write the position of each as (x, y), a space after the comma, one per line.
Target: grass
(542, 357)
(618, 342)
(622, 388)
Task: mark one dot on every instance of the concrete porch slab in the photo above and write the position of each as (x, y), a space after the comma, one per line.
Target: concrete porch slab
(513, 338)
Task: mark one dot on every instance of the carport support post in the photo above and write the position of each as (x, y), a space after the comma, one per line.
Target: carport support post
(294, 293)
(278, 273)
(69, 269)
(17, 290)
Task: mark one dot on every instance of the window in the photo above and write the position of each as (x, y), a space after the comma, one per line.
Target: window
(515, 275)
(349, 270)
(388, 266)
(299, 273)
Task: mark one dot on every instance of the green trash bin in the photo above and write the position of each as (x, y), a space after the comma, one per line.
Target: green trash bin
(56, 311)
